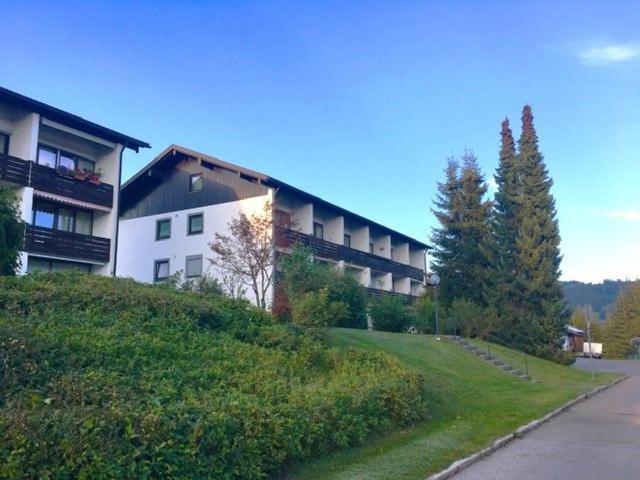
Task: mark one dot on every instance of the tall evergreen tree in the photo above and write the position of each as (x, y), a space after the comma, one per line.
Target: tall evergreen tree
(537, 272)
(463, 213)
(502, 250)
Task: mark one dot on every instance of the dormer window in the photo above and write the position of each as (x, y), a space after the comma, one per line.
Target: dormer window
(195, 182)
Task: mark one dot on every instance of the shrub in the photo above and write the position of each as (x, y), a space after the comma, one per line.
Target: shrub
(390, 313)
(302, 275)
(110, 378)
(11, 231)
(424, 318)
(344, 288)
(464, 317)
(314, 309)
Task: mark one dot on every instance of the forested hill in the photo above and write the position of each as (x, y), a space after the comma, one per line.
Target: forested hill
(599, 295)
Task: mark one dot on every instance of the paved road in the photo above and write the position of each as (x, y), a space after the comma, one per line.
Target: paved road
(597, 439)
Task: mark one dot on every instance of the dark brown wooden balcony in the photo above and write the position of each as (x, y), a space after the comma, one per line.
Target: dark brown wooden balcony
(14, 170)
(58, 243)
(333, 251)
(46, 179)
(376, 292)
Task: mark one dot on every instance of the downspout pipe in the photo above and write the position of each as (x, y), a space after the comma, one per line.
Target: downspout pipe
(115, 251)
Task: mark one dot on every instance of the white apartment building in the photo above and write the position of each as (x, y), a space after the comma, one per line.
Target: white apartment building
(66, 171)
(171, 210)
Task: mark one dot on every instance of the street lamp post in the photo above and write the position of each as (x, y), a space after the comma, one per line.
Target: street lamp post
(433, 280)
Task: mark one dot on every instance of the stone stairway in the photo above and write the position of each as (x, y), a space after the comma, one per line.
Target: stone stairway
(493, 360)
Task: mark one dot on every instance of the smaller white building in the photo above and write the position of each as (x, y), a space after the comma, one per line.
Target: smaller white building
(66, 173)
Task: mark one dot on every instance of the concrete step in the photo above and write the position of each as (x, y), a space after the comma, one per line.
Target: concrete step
(498, 363)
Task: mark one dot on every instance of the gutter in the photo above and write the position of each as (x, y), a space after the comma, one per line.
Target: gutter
(115, 251)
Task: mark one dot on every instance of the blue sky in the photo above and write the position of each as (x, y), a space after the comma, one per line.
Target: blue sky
(361, 102)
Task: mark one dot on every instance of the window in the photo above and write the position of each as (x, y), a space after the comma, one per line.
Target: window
(47, 157)
(66, 162)
(195, 182)
(4, 143)
(63, 218)
(86, 165)
(84, 222)
(160, 270)
(193, 266)
(318, 230)
(195, 224)
(163, 229)
(371, 248)
(347, 240)
(63, 161)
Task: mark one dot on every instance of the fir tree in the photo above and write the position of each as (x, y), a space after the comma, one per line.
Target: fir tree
(463, 213)
(502, 251)
(537, 271)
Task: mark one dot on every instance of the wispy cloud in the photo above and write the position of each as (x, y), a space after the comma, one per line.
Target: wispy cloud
(611, 53)
(627, 215)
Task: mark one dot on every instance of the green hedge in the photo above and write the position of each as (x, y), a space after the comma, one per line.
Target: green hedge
(105, 378)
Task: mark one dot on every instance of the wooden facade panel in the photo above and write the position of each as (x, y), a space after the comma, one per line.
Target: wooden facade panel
(169, 192)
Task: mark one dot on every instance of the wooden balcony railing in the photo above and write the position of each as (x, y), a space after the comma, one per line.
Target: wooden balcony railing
(14, 170)
(46, 179)
(66, 244)
(333, 251)
(376, 292)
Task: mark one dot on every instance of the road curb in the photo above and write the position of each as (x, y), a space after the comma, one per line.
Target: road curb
(463, 463)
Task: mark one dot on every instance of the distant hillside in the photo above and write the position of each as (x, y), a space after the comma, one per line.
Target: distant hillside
(599, 295)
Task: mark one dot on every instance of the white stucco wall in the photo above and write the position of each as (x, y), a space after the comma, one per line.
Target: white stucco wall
(105, 224)
(138, 248)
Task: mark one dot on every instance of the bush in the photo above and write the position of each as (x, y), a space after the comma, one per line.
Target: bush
(109, 378)
(302, 275)
(344, 288)
(314, 309)
(390, 313)
(11, 231)
(424, 317)
(465, 317)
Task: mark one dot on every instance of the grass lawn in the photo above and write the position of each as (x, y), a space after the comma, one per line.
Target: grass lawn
(472, 404)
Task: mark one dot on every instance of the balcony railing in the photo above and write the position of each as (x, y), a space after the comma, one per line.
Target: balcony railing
(333, 251)
(66, 244)
(376, 292)
(46, 179)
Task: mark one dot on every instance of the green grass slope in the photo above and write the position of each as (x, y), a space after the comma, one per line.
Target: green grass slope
(471, 403)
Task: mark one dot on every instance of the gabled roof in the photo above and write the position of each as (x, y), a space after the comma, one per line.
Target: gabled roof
(173, 154)
(69, 119)
(574, 331)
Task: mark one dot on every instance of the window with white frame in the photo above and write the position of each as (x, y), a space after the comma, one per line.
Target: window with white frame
(193, 266)
(161, 270)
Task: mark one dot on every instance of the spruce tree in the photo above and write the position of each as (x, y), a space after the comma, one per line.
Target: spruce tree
(463, 213)
(537, 272)
(501, 250)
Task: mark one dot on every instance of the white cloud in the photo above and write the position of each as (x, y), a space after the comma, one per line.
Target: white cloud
(610, 53)
(628, 215)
